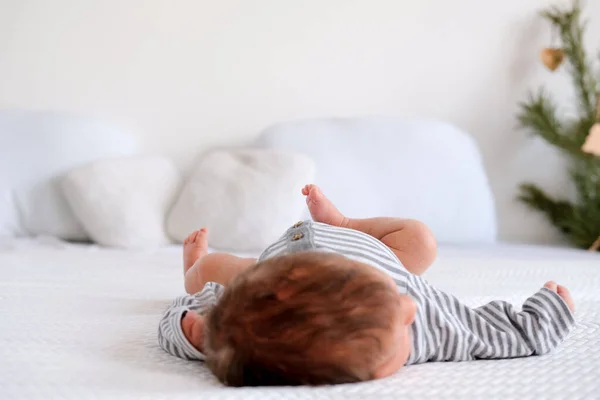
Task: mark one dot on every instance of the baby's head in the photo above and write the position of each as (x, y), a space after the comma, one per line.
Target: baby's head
(308, 318)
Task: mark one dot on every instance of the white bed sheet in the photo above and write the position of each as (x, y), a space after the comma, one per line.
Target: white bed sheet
(79, 322)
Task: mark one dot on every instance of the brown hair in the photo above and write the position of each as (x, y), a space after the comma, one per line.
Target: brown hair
(306, 318)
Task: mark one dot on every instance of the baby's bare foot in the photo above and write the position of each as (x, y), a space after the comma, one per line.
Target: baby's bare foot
(321, 208)
(562, 292)
(195, 246)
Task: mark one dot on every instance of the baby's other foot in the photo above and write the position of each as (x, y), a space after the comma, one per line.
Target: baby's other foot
(562, 292)
(321, 208)
(195, 246)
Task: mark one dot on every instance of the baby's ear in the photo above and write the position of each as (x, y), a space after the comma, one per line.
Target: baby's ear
(198, 330)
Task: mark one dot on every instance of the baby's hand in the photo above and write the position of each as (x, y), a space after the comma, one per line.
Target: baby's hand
(193, 329)
(562, 292)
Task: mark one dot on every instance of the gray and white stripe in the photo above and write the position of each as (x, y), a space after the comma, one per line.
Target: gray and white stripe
(170, 333)
(347, 242)
(447, 330)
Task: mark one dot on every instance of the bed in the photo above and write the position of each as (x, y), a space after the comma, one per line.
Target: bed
(79, 321)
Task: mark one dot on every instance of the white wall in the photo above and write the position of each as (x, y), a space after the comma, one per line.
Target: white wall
(190, 74)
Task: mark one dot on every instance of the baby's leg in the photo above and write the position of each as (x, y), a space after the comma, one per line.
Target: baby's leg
(411, 240)
(199, 267)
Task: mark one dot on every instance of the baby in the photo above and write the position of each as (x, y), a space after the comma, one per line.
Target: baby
(339, 300)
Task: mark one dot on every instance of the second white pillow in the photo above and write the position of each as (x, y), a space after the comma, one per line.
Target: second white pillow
(246, 198)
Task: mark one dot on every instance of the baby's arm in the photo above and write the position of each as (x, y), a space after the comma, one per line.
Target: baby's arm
(199, 267)
(545, 321)
(180, 330)
(215, 267)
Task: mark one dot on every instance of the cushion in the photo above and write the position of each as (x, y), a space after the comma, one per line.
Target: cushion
(386, 166)
(246, 198)
(36, 149)
(123, 202)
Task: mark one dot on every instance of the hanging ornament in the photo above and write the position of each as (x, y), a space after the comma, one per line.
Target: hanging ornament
(553, 55)
(592, 146)
(592, 141)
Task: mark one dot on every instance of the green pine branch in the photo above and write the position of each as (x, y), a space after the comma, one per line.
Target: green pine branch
(578, 220)
(586, 178)
(556, 211)
(539, 115)
(578, 130)
(572, 28)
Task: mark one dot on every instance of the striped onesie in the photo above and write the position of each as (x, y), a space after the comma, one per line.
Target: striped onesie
(444, 329)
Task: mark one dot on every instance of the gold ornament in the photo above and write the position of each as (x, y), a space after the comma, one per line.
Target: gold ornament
(552, 57)
(592, 146)
(592, 141)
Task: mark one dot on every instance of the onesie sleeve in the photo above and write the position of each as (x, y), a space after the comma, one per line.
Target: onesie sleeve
(544, 322)
(547, 320)
(170, 333)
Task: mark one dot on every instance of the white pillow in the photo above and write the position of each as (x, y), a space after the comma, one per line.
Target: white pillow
(408, 168)
(36, 149)
(123, 202)
(246, 198)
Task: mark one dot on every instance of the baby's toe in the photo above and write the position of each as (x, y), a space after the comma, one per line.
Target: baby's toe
(315, 193)
(552, 286)
(566, 296)
(201, 235)
(563, 290)
(192, 237)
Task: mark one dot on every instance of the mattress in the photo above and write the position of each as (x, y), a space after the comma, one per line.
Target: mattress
(79, 322)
